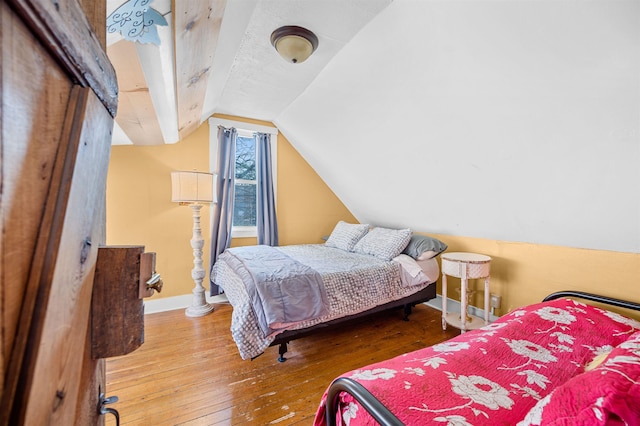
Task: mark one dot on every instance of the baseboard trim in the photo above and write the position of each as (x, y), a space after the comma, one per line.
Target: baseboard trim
(454, 305)
(163, 304)
(183, 301)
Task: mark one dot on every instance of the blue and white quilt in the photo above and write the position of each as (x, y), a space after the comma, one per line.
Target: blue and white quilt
(351, 282)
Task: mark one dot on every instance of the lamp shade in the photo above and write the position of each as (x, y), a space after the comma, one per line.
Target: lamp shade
(192, 187)
(294, 44)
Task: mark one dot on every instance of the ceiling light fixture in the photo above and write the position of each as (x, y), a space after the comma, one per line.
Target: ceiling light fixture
(294, 44)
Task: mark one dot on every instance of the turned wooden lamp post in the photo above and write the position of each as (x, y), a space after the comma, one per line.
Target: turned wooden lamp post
(193, 189)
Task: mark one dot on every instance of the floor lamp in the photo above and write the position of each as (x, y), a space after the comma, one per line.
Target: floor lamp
(193, 189)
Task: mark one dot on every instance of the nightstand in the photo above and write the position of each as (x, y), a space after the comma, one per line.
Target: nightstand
(465, 266)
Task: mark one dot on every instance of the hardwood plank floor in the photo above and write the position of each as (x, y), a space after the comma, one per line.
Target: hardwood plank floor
(189, 372)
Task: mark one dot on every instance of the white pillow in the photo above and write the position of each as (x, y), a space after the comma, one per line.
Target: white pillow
(383, 242)
(345, 235)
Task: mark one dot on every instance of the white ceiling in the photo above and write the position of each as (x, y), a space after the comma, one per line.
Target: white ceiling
(245, 77)
(506, 120)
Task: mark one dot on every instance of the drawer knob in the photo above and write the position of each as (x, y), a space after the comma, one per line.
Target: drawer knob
(155, 283)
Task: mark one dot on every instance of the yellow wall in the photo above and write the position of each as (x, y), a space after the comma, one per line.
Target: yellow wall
(524, 273)
(140, 211)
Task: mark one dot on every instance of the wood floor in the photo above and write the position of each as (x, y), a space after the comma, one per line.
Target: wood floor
(189, 372)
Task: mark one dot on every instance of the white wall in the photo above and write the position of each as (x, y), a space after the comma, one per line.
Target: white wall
(508, 120)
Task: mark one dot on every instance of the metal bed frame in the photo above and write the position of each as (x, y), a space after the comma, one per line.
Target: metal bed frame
(407, 303)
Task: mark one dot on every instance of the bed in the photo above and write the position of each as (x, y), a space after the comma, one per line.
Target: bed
(280, 294)
(559, 362)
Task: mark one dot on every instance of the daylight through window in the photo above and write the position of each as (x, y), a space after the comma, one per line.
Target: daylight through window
(244, 208)
(245, 200)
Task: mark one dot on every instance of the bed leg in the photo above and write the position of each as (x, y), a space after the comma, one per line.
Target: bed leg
(407, 312)
(282, 350)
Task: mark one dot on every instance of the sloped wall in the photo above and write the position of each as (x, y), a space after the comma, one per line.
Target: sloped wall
(513, 121)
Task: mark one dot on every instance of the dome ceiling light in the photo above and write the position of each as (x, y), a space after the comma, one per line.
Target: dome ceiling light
(294, 44)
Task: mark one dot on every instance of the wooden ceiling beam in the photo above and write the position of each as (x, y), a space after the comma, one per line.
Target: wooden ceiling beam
(136, 114)
(197, 28)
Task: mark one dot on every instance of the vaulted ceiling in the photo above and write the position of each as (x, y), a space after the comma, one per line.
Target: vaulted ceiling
(216, 56)
(509, 120)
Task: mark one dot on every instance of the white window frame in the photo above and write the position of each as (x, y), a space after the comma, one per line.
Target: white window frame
(244, 130)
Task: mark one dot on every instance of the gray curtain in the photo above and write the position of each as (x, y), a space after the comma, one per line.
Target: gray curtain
(267, 222)
(222, 218)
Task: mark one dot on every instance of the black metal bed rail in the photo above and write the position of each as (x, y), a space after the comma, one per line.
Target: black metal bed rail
(594, 298)
(369, 402)
(382, 415)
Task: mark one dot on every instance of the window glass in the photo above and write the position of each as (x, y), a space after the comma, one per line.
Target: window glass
(246, 158)
(244, 209)
(245, 199)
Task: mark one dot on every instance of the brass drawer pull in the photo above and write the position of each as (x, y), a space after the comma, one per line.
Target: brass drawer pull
(155, 282)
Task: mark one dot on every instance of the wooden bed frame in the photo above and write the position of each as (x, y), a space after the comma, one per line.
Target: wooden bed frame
(383, 416)
(407, 303)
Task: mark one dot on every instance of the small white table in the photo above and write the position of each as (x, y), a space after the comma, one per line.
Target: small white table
(464, 266)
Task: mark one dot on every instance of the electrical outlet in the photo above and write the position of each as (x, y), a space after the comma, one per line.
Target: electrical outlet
(496, 301)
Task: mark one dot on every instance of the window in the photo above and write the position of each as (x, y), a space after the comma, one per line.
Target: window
(245, 201)
(244, 205)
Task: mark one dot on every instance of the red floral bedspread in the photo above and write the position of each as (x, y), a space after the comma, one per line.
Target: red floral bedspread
(493, 375)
